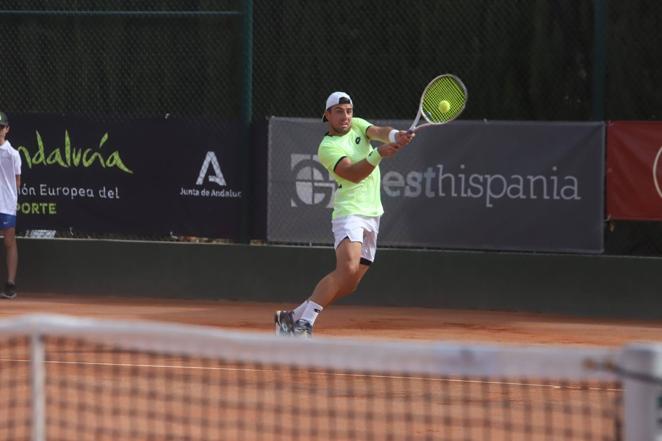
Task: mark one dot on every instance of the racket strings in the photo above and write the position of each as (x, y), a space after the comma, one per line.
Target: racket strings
(445, 88)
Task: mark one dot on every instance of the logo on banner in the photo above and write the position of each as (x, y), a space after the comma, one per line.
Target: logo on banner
(655, 168)
(490, 188)
(71, 156)
(217, 176)
(312, 183)
(210, 171)
(42, 198)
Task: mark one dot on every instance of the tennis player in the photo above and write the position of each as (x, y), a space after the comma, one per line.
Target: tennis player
(346, 152)
(10, 181)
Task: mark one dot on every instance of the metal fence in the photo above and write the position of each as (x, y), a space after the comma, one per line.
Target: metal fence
(531, 60)
(520, 59)
(249, 59)
(108, 59)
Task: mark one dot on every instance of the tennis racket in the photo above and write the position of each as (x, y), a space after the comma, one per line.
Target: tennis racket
(442, 101)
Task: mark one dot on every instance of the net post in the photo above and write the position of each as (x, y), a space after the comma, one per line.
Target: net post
(642, 386)
(38, 375)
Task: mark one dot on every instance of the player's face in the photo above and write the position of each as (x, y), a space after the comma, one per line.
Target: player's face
(3, 131)
(340, 118)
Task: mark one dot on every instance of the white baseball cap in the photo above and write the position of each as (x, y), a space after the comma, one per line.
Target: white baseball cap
(334, 99)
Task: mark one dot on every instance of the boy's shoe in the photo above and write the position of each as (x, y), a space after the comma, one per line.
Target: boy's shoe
(284, 323)
(302, 329)
(9, 292)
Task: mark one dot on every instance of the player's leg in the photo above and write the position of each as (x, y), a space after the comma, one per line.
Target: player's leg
(11, 251)
(362, 270)
(344, 231)
(344, 278)
(355, 243)
(341, 281)
(370, 230)
(356, 246)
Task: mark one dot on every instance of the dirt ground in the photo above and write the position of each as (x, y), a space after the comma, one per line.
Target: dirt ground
(226, 395)
(353, 321)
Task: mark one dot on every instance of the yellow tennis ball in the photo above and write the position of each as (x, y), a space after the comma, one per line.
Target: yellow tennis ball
(444, 106)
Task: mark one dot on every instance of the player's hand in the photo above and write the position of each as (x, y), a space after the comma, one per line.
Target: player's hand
(387, 150)
(404, 137)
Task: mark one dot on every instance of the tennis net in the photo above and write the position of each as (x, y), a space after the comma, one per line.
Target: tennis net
(64, 378)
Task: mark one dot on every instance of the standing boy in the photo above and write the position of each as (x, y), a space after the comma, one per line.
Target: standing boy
(10, 182)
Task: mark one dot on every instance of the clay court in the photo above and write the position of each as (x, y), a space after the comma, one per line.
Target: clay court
(172, 397)
(354, 321)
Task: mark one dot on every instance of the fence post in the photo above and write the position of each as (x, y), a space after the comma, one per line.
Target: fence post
(599, 59)
(247, 117)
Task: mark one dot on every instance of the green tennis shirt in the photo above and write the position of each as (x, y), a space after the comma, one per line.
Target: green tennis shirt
(363, 198)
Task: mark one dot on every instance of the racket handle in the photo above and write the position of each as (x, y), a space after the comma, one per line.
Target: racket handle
(413, 124)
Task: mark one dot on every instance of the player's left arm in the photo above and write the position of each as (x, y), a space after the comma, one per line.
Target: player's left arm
(388, 134)
(358, 171)
(17, 168)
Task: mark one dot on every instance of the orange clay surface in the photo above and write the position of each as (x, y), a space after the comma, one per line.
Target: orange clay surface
(353, 321)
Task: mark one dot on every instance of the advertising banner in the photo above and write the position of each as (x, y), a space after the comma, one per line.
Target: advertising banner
(534, 186)
(144, 176)
(634, 170)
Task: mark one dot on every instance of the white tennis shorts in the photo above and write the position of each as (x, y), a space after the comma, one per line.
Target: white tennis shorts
(362, 229)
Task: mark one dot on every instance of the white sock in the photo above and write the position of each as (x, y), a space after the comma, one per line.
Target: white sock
(298, 311)
(311, 311)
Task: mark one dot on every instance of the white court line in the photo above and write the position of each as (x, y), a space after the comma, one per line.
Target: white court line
(338, 374)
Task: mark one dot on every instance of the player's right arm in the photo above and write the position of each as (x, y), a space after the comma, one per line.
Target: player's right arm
(388, 134)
